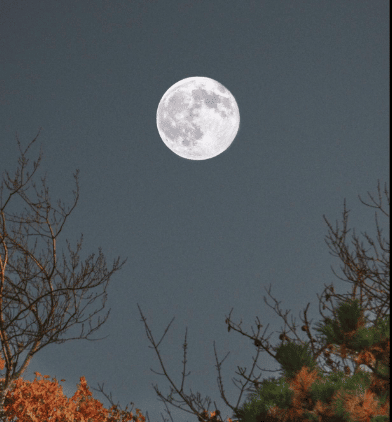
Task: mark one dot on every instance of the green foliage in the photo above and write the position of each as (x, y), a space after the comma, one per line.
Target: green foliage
(334, 331)
(273, 392)
(293, 357)
(380, 419)
(366, 337)
(324, 389)
(278, 393)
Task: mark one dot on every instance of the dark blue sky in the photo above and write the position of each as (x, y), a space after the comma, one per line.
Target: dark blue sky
(311, 80)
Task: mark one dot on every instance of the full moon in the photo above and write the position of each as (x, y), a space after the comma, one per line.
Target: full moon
(198, 118)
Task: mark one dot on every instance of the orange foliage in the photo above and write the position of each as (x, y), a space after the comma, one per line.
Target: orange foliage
(43, 400)
(362, 406)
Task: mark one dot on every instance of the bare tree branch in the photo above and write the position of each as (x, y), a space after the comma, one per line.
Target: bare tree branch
(359, 267)
(41, 295)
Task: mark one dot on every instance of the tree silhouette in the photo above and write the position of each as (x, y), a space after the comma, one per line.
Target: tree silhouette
(303, 393)
(366, 268)
(42, 294)
(41, 297)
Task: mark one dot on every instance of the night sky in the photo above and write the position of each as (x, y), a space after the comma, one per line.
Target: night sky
(311, 80)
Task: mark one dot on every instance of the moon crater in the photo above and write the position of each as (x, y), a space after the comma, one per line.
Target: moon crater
(198, 118)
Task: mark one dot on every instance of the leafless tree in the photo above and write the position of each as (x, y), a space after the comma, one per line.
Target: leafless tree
(366, 268)
(42, 294)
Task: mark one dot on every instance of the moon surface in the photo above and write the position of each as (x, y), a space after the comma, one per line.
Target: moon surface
(198, 118)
